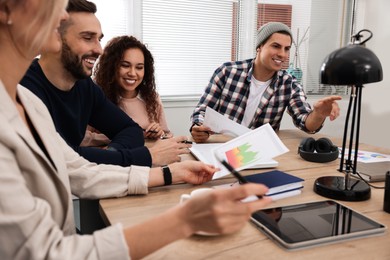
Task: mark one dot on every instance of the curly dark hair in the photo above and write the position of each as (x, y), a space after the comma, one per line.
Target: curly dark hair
(108, 67)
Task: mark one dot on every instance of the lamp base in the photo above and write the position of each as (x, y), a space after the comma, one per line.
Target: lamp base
(334, 187)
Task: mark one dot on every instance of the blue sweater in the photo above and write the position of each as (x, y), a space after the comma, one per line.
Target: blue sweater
(85, 104)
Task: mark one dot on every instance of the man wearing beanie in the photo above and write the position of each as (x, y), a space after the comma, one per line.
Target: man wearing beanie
(257, 91)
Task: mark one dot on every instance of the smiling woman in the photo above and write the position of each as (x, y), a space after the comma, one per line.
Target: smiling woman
(126, 74)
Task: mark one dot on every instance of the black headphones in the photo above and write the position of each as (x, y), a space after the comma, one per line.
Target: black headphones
(321, 150)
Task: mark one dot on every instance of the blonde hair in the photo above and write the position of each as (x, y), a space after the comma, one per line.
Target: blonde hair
(45, 16)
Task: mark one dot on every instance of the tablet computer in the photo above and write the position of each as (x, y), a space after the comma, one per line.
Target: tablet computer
(315, 223)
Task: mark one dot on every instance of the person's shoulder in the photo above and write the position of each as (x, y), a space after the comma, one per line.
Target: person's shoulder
(86, 82)
(88, 85)
(89, 91)
(32, 98)
(287, 79)
(283, 73)
(35, 70)
(34, 76)
(242, 64)
(159, 99)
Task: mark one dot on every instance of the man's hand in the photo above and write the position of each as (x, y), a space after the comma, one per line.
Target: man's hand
(323, 108)
(328, 107)
(200, 133)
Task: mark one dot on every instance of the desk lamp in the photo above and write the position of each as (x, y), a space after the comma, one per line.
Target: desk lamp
(353, 65)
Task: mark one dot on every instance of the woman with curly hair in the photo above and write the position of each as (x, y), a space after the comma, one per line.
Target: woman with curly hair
(125, 72)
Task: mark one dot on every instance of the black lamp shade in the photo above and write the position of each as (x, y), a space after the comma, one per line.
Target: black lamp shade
(351, 65)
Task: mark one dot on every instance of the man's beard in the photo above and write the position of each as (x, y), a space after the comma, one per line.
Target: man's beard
(72, 63)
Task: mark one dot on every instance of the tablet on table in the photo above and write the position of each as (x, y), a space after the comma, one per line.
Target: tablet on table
(315, 223)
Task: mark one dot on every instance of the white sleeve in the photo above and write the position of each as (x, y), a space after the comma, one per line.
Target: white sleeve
(95, 181)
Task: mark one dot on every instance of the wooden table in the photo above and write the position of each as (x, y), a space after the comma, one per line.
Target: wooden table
(250, 243)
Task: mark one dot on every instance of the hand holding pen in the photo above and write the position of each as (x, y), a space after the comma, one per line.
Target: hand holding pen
(153, 131)
(200, 133)
(169, 150)
(236, 174)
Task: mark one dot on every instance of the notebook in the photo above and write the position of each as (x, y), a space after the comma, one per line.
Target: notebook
(373, 172)
(276, 181)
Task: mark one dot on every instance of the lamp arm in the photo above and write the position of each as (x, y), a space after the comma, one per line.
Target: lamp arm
(349, 165)
(341, 169)
(359, 104)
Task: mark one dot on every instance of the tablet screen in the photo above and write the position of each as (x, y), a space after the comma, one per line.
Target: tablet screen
(313, 223)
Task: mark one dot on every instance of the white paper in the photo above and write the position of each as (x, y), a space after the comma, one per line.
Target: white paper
(204, 153)
(259, 145)
(262, 146)
(366, 156)
(222, 124)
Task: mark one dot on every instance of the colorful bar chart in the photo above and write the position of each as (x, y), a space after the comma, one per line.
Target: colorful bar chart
(241, 155)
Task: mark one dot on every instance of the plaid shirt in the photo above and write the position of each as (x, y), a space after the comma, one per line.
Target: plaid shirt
(228, 91)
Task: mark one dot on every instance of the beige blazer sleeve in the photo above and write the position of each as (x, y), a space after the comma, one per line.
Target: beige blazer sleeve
(36, 212)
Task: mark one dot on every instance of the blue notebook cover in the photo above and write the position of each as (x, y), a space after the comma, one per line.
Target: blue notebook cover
(276, 181)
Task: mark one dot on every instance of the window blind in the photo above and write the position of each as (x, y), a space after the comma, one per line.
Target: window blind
(115, 18)
(189, 40)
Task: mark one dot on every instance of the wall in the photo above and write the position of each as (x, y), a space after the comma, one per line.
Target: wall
(178, 114)
(375, 108)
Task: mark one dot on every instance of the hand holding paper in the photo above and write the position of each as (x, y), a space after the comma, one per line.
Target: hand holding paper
(261, 144)
(257, 147)
(222, 124)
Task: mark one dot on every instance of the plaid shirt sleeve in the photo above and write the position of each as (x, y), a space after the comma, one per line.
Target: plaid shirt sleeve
(299, 109)
(226, 92)
(210, 97)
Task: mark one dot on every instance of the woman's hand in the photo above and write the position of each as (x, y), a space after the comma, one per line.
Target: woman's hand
(194, 172)
(222, 211)
(153, 131)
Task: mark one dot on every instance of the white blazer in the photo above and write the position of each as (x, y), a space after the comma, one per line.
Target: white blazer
(36, 212)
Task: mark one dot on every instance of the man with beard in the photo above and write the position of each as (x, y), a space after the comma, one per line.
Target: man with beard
(62, 81)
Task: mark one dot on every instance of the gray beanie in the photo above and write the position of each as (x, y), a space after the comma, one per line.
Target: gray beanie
(268, 29)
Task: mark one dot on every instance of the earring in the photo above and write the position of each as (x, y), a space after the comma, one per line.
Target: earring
(8, 13)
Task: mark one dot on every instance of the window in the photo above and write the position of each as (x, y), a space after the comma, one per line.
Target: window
(189, 39)
(115, 17)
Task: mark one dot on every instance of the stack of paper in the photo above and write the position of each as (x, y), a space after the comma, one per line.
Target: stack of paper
(256, 147)
(374, 171)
